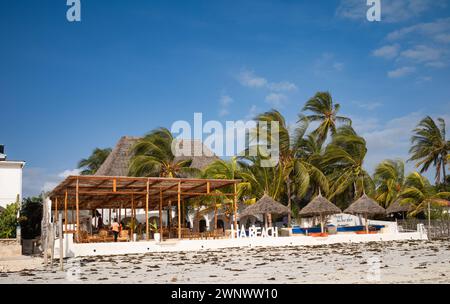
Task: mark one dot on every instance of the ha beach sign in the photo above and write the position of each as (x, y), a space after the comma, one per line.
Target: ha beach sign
(254, 232)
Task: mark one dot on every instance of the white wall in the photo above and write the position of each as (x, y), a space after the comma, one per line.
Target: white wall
(10, 182)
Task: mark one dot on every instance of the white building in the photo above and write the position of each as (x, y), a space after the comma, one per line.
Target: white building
(10, 179)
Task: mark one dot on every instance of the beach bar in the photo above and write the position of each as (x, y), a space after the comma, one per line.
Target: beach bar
(129, 196)
(92, 193)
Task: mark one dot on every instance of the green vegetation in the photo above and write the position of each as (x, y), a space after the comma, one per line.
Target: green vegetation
(31, 217)
(329, 159)
(90, 165)
(8, 221)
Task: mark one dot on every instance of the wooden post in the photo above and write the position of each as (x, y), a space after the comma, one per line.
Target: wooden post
(215, 215)
(179, 210)
(132, 217)
(169, 218)
(235, 207)
(160, 214)
(66, 217)
(147, 232)
(77, 204)
(56, 210)
(429, 220)
(367, 225)
(61, 244)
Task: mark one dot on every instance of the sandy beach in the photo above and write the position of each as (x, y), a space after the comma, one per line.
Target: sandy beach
(392, 262)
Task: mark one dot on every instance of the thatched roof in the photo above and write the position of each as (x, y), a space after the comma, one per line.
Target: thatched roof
(200, 154)
(319, 206)
(265, 205)
(365, 205)
(396, 207)
(117, 163)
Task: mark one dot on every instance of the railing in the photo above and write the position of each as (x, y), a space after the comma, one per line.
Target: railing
(439, 229)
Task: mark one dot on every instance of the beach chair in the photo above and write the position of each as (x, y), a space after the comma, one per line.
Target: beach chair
(123, 236)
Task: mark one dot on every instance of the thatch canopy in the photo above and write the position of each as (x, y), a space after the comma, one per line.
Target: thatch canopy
(118, 161)
(266, 205)
(365, 205)
(95, 192)
(319, 206)
(396, 207)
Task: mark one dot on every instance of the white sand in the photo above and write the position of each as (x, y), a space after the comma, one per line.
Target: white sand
(393, 262)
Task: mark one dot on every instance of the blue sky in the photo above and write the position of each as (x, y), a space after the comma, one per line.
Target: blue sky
(131, 66)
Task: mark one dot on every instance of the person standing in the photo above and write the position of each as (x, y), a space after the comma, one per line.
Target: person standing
(115, 227)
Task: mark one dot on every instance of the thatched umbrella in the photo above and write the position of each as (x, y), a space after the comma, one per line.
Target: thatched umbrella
(365, 206)
(397, 207)
(266, 205)
(319, 206)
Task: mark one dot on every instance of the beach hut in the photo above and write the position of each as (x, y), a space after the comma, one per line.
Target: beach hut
(321, 207)
(367, 207)
(398, 207)
(266, 206)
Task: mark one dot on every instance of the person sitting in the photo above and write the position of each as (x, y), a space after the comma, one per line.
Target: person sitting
(115, 227)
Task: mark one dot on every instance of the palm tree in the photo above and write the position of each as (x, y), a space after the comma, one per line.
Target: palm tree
(292, 170)
(421, 194)
(324, 112)
(152, 156)
(92, 164)
(389, 178)
(430, 147)
(343, 162)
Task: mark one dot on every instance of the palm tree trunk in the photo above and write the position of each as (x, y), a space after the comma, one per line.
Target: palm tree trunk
(215, 217)
(288, 184)
(444, 173)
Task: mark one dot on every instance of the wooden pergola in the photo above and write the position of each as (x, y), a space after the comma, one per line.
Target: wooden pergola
(149, 193)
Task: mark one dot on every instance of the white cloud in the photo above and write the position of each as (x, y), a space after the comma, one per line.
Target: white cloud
(284, 86)
(422, 53)
(326, 63)
(436, 30)
(387, 51)
(443, 38)
(276, 100)
(67, 173)
(37, 180)
(338, 66)
(249, 79)
(391, 11)
(401, 72)
(424, 79)
(370, 106)
(391, 139)
(252, 112)
(225, 102)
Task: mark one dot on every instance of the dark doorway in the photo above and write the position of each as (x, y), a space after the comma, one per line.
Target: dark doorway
(202, 225)
(220, 225)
